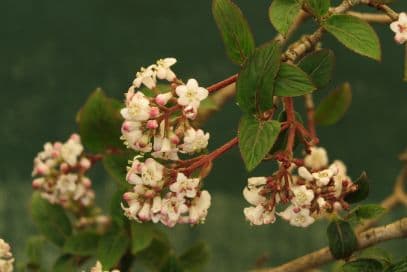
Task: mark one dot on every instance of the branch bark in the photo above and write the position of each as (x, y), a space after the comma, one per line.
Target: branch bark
(395, 230)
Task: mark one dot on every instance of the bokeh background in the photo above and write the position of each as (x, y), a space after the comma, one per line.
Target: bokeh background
(53, 54)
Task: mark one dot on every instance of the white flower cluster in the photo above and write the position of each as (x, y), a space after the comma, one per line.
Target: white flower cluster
(317, 189)
(158, 196)
(98, 268)
(399, 27)
(60, 173)
(160, 124)
(6, 257)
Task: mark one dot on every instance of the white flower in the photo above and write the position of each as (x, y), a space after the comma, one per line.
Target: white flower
(164, 149)
(199, 208)
(302, 196)
(252, 195)
(185, 186)
(137, 108)
(171, 209)
(6, 257)
(152, 173)
(259, 216)
(318, 158)
(191, 94)
(71, 150)
(190, 112)
(98, 268)
(340, 177)
(305, 174)
(195, 140)
(321, 203)
(163, 69)
(256, 181)
(323, 177)
(399, 27)
(146, 76)
(67, 183)
(297, 217)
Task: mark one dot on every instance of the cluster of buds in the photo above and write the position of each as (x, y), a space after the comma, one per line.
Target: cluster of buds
(59, 172)
(318, 189)
(399, 27)
(160, 124)
(161, 195)
(98, 268)
(6, 257)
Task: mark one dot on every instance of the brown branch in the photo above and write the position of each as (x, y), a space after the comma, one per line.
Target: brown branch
(395, 230)
(372, 17)
(310, 108)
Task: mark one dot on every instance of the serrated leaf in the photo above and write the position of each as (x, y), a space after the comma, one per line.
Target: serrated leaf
(234, 29)
(112, 248)
(50, 220)
(142, 235)
(342, 239)
(334, 106)
(319, 66)
(355, 34)
(82, 244)
(65, 263)
(362, 192)
(256, 80)
(116, 166)
(363, 264)
(195, 258)
(282, 14)
(100, 122)
(318, 8)
(256, 138)
(292, 81)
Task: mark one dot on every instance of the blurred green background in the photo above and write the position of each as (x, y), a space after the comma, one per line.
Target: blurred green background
(54, 53)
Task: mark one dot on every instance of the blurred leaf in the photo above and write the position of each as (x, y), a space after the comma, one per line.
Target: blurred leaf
(142, 235)
(318, 8)
(195, 258)
(282, 14)
(367, 211)
(377, 253)
(319, 66)
(112, 247)
(292, 81)
(256, 80)
(256, 138)
(405, 62)
(342, 239)
(100, 123)
(172, 265)
(116, 210)
(234, 29)
(398, 267)
(65, 263)
(355, 34)
(116, 166)
(158, 252)
(334, 106)
(82, 244)
(365, 265)
(34, 249)
(362, 192)
(50, 220)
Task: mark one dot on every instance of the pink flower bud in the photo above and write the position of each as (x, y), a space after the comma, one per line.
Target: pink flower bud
(162, 99)
(37, 183)
(125, 127)
(85, 164)
(152, 124)
(128, 196)
(86, 182)
(64, 167)
(75, 137)
(296, 209)
(154, 112)
(42, 169)
(174, 138)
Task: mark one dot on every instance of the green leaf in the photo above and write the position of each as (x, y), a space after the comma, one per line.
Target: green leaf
(377, 253)
(342, 239)
(368, 211)
(65, 263)
(362, 192)
(33, 251)
(111, 248)
(172, 265)
(195, 258)
(282, 14)
(256, 138)
(292, 81)
(116, 210)
(355, 34)
(398, 267)
(334, 106)
(319, 66)
(50, 220)
(364, 264)
(100, 122)
(256, 80)
(142, 235)
(234, 29)
(156, 255)
(318, 8)
(82, 244)
(116, 166)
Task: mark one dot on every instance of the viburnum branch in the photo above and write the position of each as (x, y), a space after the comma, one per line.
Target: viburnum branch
(310, 108)
(382, 7)
(371, 237)
(372, 17)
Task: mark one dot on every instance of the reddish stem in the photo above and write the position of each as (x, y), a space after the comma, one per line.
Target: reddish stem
(289, 109)
(211, 156)
(222, 84)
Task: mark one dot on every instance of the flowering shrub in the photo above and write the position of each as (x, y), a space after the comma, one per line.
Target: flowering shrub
(152, 145)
